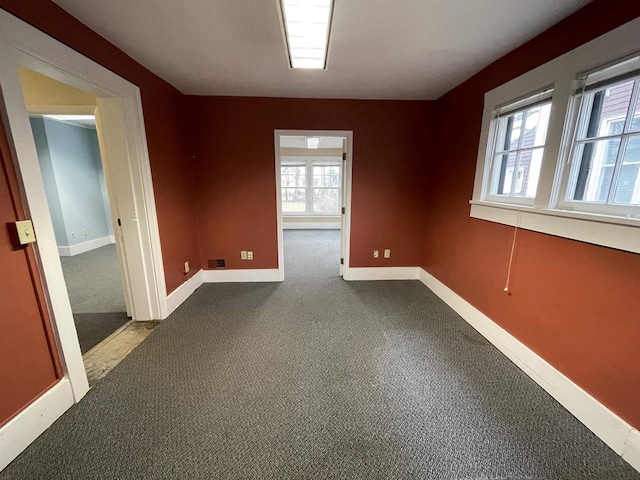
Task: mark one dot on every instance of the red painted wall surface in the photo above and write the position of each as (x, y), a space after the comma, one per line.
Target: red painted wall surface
(29, 360)
(234, 173)
(573, 303)
(162, 105)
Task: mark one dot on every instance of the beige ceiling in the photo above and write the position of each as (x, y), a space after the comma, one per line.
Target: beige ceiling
(382, 49)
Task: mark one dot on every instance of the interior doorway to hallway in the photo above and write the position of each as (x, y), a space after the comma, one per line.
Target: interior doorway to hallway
(78, 200)
(84, 212)
(313, 170)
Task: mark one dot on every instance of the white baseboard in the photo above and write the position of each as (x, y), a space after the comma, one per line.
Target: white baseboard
(611, 429)
(382, 273)
(83, 247)
(29, 424)
(241, 275)
(311, 226)
(184, 291)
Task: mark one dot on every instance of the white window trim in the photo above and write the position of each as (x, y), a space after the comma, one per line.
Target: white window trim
(544, 215)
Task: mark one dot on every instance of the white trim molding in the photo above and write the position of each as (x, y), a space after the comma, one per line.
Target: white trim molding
(78, 248)
(184, 291)
(621, 437)
(347, 173)
(548, 212)
(624, 234)
(382, 273)
(241, 275)
(311, 225)
(30, 423)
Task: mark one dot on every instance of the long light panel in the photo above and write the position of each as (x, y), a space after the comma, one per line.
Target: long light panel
(307, 25)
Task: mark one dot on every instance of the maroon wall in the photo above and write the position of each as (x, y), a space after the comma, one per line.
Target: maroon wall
(573, 303)
(235, 181)
(165, 135)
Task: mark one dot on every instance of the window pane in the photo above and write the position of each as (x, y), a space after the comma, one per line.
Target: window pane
(504, 166)
(535, 126)
(528, 173)
(593, 165)
(294, 200)
(603, 108)
(628, 184)
(326, 200)
(635, 121)
(509, 132)
(293, 176)
(326, 176)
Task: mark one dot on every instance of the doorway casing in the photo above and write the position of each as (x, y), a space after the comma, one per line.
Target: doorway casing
(128, 171)
(347, 171)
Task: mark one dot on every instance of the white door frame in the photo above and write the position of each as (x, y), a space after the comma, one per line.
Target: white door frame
(22, 44)
(347, 170)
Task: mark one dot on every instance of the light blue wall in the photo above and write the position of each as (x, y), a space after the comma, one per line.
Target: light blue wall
(48, 177)
(72, 172)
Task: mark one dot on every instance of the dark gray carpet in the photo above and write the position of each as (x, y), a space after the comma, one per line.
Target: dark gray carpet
(92, 328)
(317, 378)
(93, 281)
(95, 292)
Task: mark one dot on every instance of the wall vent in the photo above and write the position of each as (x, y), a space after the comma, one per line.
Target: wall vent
(219, 263)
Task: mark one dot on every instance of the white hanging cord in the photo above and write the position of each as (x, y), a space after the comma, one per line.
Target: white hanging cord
(507, 284)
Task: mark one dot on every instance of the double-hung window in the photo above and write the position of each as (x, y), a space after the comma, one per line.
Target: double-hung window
(311, 186)
(604, 173)
(565, 161)
(519, 134)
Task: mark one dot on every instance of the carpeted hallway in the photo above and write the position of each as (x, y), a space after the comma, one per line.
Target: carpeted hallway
(317, 378)
(95, 292)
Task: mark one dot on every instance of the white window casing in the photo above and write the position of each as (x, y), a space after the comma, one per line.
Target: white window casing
(591, 65)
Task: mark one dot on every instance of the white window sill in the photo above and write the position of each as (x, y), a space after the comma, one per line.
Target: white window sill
(311, 215)
(613, 232)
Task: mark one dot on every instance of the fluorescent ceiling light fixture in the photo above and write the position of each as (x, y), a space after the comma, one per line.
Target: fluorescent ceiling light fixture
(313, 142)
(307, 25)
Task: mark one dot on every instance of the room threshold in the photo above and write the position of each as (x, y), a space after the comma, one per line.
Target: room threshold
(102, 358)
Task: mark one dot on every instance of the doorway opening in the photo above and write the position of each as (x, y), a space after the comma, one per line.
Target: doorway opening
(76, 191)
(313, 170)
(117, 107)
(79, 196)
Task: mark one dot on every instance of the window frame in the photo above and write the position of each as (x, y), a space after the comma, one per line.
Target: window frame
(547, 214)
(523, 105)
(309, 163)
(567, 179)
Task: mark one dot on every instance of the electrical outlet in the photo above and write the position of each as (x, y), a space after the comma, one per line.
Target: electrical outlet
(243, 255)
(249, 255)
(387, 253)
(186, 267)
(376, 254)
(84, 232)
(73, 234)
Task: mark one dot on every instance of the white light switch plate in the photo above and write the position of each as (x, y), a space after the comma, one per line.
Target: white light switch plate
(387, 253)
(186, 267)
(25, 232)
(249, 255)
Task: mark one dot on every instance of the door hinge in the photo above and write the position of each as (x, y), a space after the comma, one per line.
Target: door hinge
(344, 155)
(342, 261)
(343, 210)
(119, 223)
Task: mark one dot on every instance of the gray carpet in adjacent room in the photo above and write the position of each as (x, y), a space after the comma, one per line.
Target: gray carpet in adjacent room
(95, 292)
(317, 378)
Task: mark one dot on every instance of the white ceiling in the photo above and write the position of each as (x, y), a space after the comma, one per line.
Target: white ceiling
(382, 49)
